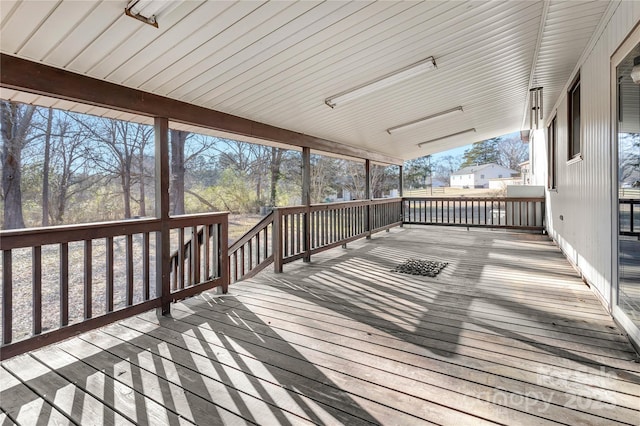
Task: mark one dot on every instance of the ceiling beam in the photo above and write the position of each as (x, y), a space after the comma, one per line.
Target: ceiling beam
(33, 77)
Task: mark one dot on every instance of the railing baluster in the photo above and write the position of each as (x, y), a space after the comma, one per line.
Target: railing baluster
(206, 241)
(219, 239)
(485, 212)
(277, 241)
(88, 260)
(174, 273)
(64, 284)
(258, 259)
(300, 242)
(7, 297)
(181, 250)
(195, 256)
(129, 259)
(321, 223)
(235, 266)
(109, 283)
(285, 238)
(454, 211)
(242, 261)
(37, 289)
(146, 269)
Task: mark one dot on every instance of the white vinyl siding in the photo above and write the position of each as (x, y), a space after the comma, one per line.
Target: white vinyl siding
(584, 195)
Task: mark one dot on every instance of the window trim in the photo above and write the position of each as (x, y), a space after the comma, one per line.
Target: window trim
(572, 132)
(552, 153)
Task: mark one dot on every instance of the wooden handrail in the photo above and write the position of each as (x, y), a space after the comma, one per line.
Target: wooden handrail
(250, 253)
(34, 237)
(251, 232)
(136, 294)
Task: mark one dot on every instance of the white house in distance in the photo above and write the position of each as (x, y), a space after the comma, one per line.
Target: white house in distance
(478, 176)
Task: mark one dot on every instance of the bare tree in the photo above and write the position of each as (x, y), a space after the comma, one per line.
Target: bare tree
(178, 139)
(16, 130)
(323, 173)
(45, 171)
(67, 163)
(444, 167)
(276, 163)
(512, 152)
(354, 178)
(629, 159)
(117, 144)
(383, 180)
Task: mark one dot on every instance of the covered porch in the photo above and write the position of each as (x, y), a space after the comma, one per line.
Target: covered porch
(506, 333)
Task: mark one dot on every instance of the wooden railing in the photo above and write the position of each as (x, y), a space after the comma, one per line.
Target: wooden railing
(201, 266)
(101, 273)
(512, 213)
(252, 252)
(628, 213)
(302, 231)
(113, 269)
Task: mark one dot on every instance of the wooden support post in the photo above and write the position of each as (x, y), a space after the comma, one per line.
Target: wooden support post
(7, 297)
(223, 244)
(163, 254)
(276, 244)
(401, 194)
(367, 195)
(306, 200)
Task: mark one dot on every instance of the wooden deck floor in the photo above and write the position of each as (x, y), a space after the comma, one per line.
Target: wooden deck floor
(505, 334)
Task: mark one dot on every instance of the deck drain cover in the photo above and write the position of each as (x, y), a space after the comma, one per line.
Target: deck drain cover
(426, 268)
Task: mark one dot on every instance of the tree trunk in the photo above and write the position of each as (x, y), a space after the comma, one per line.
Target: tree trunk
(11, 178)
(276, 161)
(15, 128)
(126, 194)
(45, 171)
(176, 184)
(143, 205)
(62, 199)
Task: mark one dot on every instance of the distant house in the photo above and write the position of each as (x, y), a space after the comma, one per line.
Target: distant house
(478, 176)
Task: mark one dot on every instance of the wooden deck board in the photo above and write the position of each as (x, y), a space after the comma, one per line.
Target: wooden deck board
(506, 333)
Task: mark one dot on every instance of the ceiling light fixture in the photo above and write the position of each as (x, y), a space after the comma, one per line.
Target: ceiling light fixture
(635, 72)
(382, 82)
(145, 10)
(419, 121)
(448, 136)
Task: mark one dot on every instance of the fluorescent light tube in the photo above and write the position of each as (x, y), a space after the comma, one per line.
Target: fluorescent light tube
(382, 82)
(448, 136)
(419, 121)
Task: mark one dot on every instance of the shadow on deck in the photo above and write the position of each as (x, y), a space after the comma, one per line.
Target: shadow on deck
(506, 333)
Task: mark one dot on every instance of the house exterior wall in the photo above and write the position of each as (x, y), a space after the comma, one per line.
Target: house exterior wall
(502, 183)
(480, 178)
(580, 211)
(461, 181)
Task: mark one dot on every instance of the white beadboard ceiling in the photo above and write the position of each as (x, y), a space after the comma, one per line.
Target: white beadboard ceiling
(276, 62)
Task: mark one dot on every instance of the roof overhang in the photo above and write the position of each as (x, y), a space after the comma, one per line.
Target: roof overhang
(263, 70)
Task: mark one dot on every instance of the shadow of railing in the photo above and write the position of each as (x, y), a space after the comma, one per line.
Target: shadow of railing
(165, 370)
